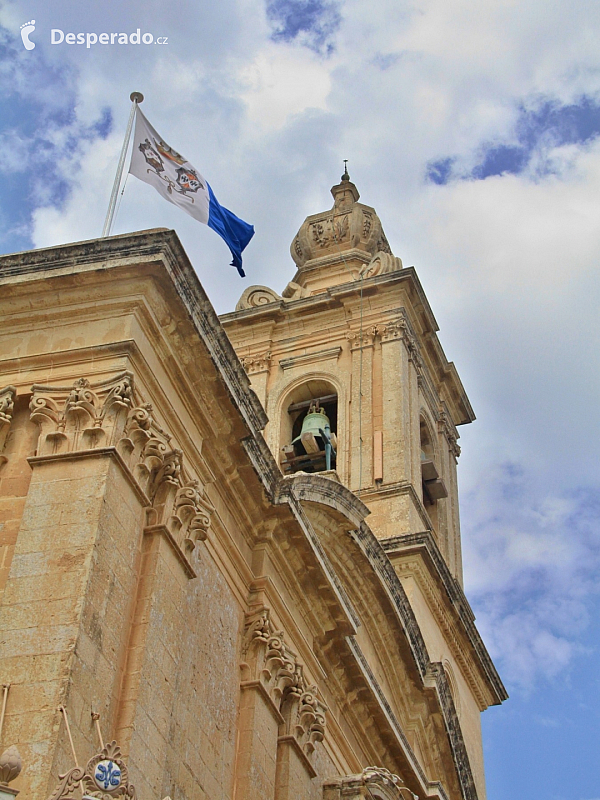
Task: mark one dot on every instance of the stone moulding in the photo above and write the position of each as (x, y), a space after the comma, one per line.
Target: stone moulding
(330, 354)
(424, 543)
(107, 417)
(314, 488)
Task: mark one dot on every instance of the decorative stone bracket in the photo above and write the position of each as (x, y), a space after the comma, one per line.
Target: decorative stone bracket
(373, 783)
(7, 405)
(272, 665)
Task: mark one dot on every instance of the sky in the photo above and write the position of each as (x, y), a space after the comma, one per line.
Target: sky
(474, 131)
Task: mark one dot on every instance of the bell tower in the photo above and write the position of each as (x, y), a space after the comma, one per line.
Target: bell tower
(353, 340)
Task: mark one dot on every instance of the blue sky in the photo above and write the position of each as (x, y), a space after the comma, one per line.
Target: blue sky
(474, 130)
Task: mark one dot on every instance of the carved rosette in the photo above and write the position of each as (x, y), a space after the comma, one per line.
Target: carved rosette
(105, 777)
(7, 406)
(270, 661)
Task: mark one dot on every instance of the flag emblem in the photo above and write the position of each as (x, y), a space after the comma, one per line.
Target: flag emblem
(155, 162)
(152, 157)
(188, 180)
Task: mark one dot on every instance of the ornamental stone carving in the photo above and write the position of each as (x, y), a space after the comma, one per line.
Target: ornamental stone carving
(375, 783)
(348, 225)
(269, 661)
(255, 296)
(7, 406)
(448, 429)
(81, 417)
(400, 328)
(364, 338)
(257, 363)
(85, 417)
(105, 777)
(10, 765)
(381, 263)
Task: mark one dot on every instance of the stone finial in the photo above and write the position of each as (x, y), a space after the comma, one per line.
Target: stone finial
(10, 765)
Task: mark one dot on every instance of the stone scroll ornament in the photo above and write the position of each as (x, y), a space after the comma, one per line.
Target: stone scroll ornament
(104, 778)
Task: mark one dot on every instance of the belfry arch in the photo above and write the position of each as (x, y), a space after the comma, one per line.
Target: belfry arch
(308, 394)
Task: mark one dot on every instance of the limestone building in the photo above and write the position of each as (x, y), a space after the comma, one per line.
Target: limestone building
(232, 546)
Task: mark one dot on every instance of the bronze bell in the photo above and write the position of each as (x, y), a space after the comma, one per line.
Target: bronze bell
(315, 421)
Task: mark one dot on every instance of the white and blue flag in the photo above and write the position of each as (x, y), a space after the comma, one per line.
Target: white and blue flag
(153, 161)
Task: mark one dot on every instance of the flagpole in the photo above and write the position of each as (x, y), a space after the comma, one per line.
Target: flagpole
(136, 98)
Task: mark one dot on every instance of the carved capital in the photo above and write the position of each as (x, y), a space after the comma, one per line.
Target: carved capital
(400, 328)
(364, 338)
(192, 515)
(257, 363)
(304, 715)
(81, 416)
(86, 416)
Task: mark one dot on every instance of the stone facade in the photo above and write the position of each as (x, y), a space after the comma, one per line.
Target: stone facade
(231, 632)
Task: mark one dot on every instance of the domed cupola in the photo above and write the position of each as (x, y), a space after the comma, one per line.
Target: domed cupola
(334, 246)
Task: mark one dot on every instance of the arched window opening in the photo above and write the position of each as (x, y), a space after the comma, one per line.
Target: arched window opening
(433, 486)
(312, 425)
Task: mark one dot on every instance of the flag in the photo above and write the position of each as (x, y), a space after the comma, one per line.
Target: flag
(153, 161)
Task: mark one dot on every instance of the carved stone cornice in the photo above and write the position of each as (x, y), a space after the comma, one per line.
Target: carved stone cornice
(7, 405)
(328, 354)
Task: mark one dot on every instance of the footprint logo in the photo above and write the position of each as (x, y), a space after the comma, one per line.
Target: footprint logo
(26, 29)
